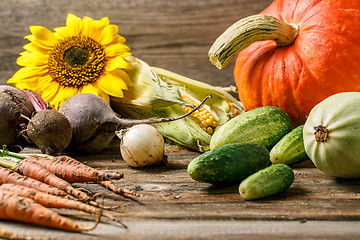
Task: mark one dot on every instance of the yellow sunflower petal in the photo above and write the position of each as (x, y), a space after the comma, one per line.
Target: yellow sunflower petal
(97, 28)
(62, 32)
(104, 96)
(117, 49)
(87, 26)
(64, 93)
(113, 83)
(52, 89)
(119, 39)
(73, 24)
(43, 35)
(32, 58)
(31, 47)
(30, 37)
(35, 83)
(29, 72)
(114, 63)
(104, 22)
(94, 28)
(108, 34)
(88, 88)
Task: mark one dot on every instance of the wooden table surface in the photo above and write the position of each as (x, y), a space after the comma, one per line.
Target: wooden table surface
(174, 206)
(176, 35)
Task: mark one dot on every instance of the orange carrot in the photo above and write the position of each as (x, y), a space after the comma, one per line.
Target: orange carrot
(38, 172)
(14, 207)
(72, 170)
(111, 186)
(48, 200)
(79, 172)
(9, 176)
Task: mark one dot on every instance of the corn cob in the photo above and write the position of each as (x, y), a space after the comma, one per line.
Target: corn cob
(205, 117)
(178, 95)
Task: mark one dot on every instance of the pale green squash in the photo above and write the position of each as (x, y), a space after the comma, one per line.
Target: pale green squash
(332, 135)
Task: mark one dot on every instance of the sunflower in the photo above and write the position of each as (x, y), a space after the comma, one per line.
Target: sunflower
(84, 56)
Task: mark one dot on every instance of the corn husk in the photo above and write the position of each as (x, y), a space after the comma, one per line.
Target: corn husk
(219, 103)
(144, 101)
(146, 89)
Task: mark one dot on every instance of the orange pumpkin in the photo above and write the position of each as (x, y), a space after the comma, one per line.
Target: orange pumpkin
(318, 55)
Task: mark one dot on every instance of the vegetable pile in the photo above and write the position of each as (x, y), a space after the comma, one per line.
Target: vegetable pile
(85, 123)
(34, 184)
(288, 119)
(253, 150)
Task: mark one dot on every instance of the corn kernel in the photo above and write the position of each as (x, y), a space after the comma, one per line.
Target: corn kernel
(206, 120)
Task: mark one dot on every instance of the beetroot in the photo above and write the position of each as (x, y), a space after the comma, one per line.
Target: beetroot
(15, 109)
(94, 122)
(49, 130)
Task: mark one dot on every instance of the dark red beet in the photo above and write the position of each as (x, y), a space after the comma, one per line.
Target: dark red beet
(94, 122)
(15, 108)
(49, 130)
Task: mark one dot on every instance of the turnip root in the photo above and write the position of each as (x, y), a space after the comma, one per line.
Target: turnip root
(15, 107)
(142, 145)
(94, 122)
(49, 130)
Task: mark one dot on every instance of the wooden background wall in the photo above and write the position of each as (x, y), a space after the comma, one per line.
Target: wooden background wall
(172, 34)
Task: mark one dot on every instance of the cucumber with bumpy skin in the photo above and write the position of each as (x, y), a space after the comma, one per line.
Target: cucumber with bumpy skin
(230, 163)
(263, 125)
(290, 149)
(266, 182)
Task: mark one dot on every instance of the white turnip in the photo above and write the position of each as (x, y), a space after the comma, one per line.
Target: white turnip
(94, 122)
(142, 145)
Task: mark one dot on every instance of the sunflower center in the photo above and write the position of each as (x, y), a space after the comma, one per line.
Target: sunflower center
(76, 56)
(76, 61)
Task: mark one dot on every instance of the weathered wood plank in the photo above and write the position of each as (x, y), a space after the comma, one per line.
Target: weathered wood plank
(173, 201)
(175, 35)
(205, 229)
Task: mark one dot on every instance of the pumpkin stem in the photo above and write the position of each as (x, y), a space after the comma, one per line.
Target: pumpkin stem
(321, 133)
(247, 31)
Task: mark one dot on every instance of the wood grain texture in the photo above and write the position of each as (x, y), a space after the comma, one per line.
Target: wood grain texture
(175, 35)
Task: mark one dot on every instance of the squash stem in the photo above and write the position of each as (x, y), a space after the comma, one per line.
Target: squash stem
(247, 31)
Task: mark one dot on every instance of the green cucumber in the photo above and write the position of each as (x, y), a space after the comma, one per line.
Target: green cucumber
(230, 163)
(266, 182)
(290, 149)
(264, 125)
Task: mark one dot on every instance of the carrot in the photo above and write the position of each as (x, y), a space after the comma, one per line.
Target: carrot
(44, 181)
(38, 172)
(79, 172)
(14, 207)
(72, 170)
(51, 201)
(9, 176)
(111, 186)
